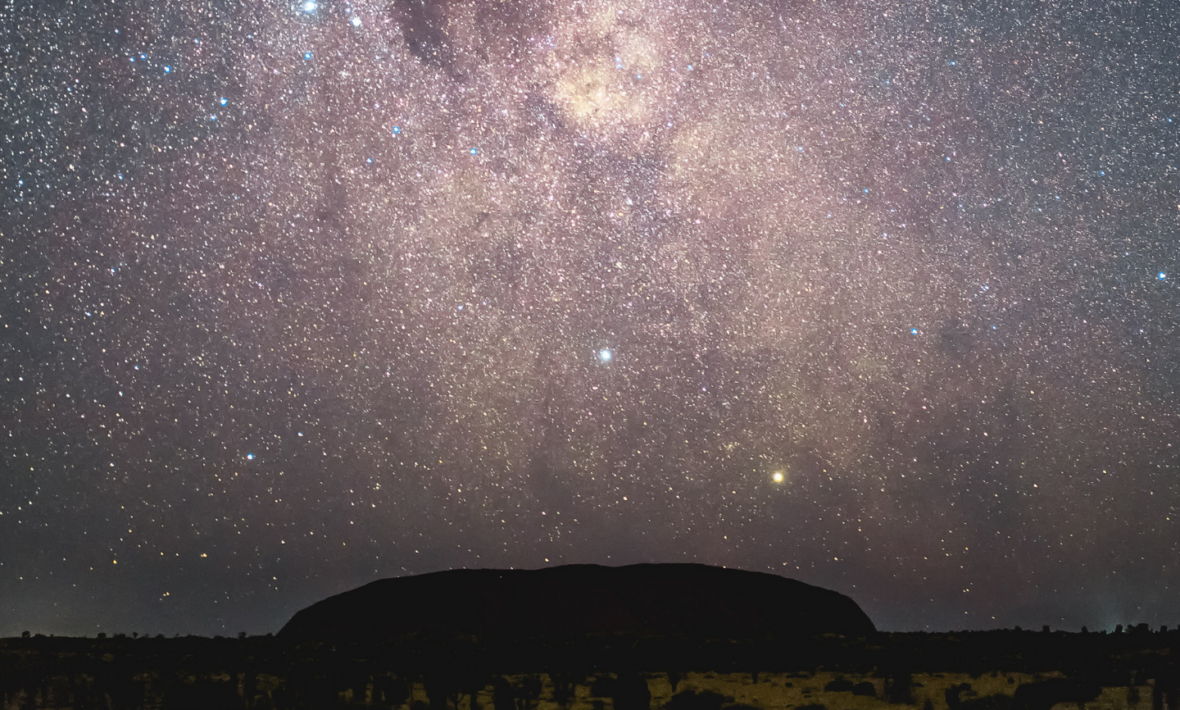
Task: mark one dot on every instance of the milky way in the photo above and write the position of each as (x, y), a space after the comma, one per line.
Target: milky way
(878, 296)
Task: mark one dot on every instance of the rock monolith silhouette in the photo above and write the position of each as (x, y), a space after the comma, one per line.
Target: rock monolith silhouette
(646, 600)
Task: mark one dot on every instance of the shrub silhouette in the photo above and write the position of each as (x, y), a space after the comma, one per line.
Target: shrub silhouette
(528, 693)
(503, 694)
(628, 691)
(899, 687)
(692, 700)
(954, 693)
(202, 693)
(1047, 693)
(989, 702)
(390, 692)
(563, 689)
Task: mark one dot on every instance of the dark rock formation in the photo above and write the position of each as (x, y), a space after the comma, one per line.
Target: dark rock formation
(651, 600)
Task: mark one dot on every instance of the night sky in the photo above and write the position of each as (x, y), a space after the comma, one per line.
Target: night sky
(881, 296)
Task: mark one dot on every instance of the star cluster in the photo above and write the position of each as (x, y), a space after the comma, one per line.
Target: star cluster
(876, 295)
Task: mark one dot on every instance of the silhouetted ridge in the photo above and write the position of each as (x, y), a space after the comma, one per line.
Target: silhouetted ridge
(660, 600)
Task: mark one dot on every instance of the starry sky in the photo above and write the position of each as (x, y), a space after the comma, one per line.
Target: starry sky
(882, 296)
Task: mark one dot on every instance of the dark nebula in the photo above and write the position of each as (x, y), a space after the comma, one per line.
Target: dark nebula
(881, 296)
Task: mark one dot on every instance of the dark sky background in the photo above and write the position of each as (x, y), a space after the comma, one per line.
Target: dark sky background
(882, 296)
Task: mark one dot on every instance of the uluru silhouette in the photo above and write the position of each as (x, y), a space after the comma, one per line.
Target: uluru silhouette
(645, 600)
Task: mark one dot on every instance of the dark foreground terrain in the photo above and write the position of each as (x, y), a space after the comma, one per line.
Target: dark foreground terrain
(997, 670)
(585, 637)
